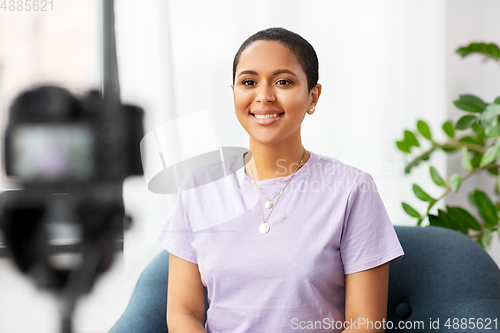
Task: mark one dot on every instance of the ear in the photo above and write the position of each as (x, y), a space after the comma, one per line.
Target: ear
(232, 86)
(315, 93)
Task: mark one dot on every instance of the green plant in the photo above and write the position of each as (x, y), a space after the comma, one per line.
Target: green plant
(477, 136)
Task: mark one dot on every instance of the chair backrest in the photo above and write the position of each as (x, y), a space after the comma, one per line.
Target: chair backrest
(443, 275)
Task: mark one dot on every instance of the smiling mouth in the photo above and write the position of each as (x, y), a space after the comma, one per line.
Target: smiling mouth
(266, 116)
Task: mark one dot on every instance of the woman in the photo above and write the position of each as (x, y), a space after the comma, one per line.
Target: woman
(320, 261)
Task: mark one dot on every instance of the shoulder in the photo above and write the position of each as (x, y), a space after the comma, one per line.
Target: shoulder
(211, 172)
(331, 169)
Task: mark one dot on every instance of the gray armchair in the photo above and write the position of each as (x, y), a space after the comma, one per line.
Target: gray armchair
(443, 275)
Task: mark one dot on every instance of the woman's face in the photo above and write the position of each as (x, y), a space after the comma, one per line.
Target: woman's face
(270, 80)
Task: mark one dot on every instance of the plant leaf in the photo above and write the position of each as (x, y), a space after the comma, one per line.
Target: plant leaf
(479, 130)
(486, 208)
(466, 50)
(410, 210)
(448, 129)
(435, 221)
(483, 48)
(470, 103)
(497, 101)
(403, 146)
(423, 128)
(416, 161)
(493, 171)
(410, 139)
(489, 156)
(493, 132)
(431, 203)
(465, 159)
(489, 118)
(472, 198)
(456, 220)
(486, 238)
(443, 216)
(455, 181)
(436, 178)
(421, 194)
(467, 139)
(490, 50)
(494, 51)
(476, 159)
(466, 122)
(466, 217)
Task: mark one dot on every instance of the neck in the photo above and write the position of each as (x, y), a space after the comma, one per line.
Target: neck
(273, 161)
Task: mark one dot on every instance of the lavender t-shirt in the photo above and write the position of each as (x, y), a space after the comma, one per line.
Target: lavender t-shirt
(329, 221)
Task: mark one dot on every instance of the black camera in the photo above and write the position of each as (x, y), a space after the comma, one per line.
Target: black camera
(69, 157)
(54, 139)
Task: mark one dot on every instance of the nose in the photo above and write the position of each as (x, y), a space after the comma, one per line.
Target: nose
(265, 93)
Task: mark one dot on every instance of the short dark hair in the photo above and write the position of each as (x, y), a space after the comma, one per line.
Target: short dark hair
(304, 51)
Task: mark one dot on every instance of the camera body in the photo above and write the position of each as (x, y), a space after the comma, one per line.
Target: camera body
(55, 139)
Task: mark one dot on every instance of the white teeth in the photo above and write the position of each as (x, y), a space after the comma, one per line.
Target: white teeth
(265, 116)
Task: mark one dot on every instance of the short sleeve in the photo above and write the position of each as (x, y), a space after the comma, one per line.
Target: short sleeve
(368, 236)
(176, 235)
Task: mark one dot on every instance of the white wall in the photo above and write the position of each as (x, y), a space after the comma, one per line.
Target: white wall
(471, 21)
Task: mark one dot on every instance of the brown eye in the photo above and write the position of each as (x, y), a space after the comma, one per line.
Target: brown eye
(283, 82)
(248, 83)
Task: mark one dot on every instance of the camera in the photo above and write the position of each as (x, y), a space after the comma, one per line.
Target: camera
(54, 140)
(68, 156)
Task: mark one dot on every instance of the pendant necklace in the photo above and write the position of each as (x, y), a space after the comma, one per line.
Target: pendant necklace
(264, 227)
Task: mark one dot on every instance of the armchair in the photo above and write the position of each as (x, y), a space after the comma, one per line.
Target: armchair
(443, 275)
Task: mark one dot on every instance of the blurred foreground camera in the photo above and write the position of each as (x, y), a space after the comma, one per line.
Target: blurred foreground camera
(69, 156)
(54, 139)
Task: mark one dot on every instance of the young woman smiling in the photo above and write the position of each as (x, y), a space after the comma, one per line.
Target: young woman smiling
(321, 260)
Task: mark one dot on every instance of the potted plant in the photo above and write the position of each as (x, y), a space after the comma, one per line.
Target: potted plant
(476, 136)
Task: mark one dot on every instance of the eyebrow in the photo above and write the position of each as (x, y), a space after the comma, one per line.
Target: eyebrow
(284, 71)
(276, 72)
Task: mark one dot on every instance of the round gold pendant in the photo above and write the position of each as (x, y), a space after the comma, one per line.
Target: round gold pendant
(264, 228)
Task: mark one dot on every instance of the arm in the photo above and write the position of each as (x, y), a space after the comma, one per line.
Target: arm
(366, 299)
(185, 297)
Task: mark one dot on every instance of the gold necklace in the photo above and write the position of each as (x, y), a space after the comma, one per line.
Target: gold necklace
(264, 227)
